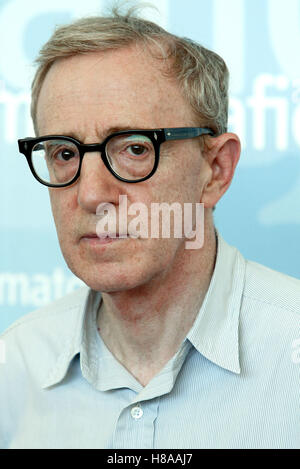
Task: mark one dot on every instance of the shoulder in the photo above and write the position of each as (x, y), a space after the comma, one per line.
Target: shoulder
(33, 346)
(270, 319)
(54, 312)
(272, 289)
(33, 343)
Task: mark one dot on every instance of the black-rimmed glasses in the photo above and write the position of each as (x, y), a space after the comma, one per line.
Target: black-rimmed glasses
(130, 155)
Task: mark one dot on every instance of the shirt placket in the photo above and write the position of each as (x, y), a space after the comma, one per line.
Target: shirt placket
(136, 425)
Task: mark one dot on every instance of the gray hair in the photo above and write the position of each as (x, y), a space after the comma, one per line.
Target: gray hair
(201, 73)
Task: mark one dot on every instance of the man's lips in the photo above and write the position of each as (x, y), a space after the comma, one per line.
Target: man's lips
(101, 238)
(100, 235)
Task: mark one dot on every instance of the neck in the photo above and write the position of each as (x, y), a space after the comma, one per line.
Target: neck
(144, 327)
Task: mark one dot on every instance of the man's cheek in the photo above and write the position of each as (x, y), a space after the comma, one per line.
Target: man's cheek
(60, 209)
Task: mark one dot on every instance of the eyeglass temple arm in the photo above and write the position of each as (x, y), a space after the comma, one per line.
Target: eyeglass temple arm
(184, 133)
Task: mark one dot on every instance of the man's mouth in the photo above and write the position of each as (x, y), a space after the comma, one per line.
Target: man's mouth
(95, 239)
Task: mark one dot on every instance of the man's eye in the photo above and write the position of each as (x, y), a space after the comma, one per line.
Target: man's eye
(136, 150)
(62, 154)
(65, 155)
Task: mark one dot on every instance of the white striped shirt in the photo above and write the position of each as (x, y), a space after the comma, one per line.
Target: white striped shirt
(234, 382)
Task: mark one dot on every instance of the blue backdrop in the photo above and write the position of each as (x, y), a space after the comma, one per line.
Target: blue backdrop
(260, 214)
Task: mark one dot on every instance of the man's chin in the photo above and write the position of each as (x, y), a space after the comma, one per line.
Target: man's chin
(112, 277)
(116, 270)
(111, 286)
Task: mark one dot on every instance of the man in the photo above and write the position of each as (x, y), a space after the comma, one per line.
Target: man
(166, 347)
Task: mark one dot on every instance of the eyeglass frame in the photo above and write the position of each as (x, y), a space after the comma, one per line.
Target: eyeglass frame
(157, 137)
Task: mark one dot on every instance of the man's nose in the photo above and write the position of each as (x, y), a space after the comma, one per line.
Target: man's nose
(96, 184)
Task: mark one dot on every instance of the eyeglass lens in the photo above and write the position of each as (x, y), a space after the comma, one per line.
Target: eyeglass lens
(130, 156)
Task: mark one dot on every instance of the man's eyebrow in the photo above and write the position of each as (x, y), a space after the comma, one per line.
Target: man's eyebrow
(112, 130)
(106, 133)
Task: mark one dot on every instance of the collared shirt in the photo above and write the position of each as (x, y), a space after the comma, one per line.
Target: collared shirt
(233, 383)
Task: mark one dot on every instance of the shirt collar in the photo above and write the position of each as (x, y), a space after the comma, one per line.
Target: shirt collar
(214, 333)
(67, 347)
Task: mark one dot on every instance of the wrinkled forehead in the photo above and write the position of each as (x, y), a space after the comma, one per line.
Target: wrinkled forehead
(112, 84)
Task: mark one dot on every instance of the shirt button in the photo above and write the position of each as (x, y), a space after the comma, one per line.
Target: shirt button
(136, 412)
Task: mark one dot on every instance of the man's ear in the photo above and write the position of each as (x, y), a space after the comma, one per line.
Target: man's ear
(222, 155)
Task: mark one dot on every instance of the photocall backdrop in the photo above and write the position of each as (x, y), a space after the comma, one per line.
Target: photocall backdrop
(260, 214)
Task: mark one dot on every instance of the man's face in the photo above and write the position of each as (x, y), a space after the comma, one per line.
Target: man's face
(88, 97)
